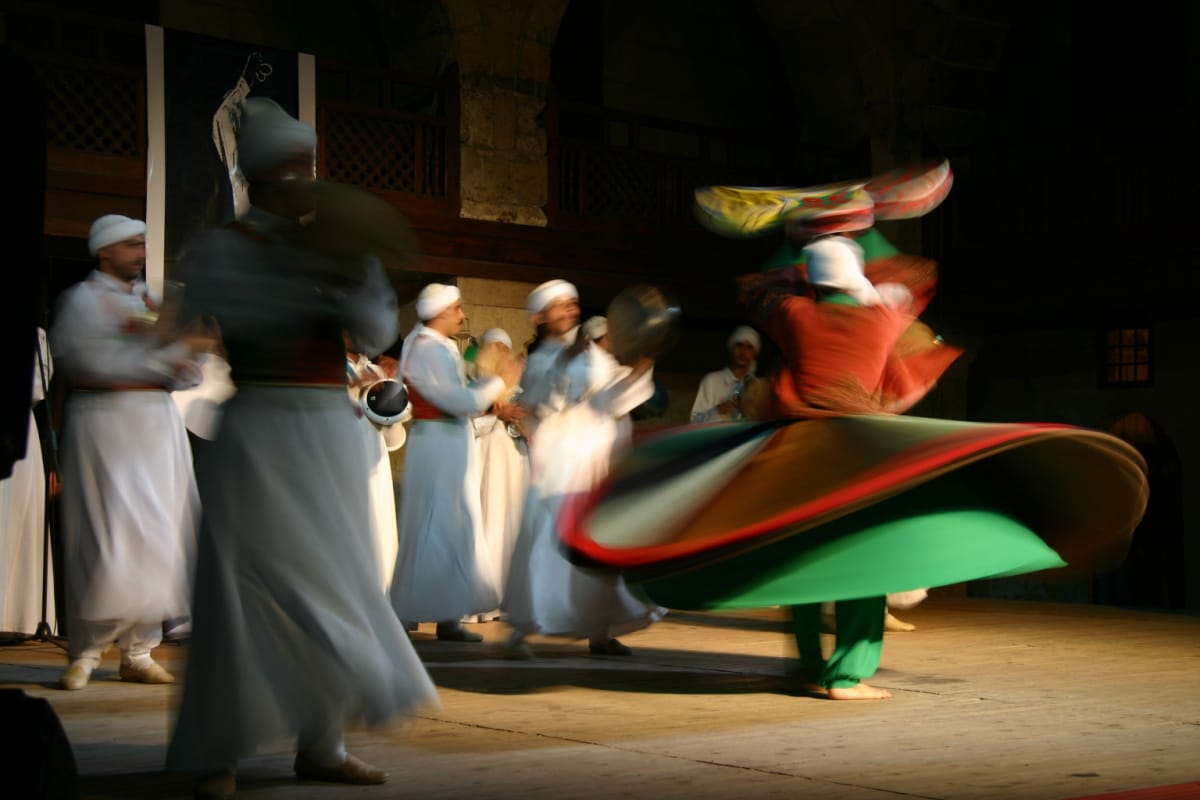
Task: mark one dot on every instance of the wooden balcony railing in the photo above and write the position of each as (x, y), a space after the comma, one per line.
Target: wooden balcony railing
(394, 135)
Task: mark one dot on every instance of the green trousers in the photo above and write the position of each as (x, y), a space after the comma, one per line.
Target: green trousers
(857, 646)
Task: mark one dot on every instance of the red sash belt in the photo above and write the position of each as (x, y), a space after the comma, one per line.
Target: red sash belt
(423, 409)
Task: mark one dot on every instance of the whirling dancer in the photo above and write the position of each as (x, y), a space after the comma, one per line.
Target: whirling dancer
(850, 501)
(292, 635)
(577, 394)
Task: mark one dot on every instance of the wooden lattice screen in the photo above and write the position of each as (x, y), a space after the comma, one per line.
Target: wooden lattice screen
(92, 109)
(387, 152)
(595, 179)
(93, 72)
(395, 135)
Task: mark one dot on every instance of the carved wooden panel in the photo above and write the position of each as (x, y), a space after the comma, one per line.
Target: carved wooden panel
(387, 152)
(92, 109)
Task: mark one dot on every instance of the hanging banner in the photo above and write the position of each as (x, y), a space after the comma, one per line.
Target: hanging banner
(196, 86)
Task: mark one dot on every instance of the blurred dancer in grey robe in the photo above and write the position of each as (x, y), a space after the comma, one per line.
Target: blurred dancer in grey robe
(292, 635)
(128, 493)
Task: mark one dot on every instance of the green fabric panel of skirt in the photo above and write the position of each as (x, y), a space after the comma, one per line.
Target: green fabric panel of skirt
(923, 550)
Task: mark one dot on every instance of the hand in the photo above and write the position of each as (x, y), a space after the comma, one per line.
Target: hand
(390, 366)
(54, 485)
(508, 412)
(640, 367)
(725, 408)
(363, 380)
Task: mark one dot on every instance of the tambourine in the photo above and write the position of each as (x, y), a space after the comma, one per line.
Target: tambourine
(642, 322)
(386, 402)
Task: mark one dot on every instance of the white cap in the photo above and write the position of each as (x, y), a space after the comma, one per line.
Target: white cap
(436, 298)
(744, 333)
(269, 136)
(835, 262)
(113, 228)
(548, 292)
(496, 335)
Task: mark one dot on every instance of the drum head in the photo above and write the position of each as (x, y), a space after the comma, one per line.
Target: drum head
(642, 321)
(386, 402)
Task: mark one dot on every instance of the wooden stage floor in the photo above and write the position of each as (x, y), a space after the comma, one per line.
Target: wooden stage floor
(993, 700)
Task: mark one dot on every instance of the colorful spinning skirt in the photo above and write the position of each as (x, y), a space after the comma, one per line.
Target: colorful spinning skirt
(736, 515)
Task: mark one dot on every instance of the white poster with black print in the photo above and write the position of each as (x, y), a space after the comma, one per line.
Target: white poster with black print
(196, 87)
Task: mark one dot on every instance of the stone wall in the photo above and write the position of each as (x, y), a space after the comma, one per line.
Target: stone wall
(503, 54)
(497, 304)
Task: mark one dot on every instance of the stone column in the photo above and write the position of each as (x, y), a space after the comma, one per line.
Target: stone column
(503, 51)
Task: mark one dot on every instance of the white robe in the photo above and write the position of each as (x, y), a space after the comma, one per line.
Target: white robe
(291, 634)
(129, 501)
(583, 408)
(22, 527)
(438, 576)
(377, 443)
(200, 405)
(716, 388)
(505, 480)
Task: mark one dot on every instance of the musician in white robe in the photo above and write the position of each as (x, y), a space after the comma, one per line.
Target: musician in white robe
(720, 393)
(291, 635)
(504, 456)
(24, 547)
(439, 577)
(579, 394)
(378, 441)
(128, 491)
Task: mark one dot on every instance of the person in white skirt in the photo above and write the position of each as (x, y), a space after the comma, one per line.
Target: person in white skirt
(378, 442)
(439, 577)
(504, 456)
(580, 398)
(23, 522)
(129, 500)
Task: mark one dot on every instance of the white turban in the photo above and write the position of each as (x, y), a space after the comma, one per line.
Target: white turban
(269, 136)
(548, 292)
(835, 262)
(434, 299)
(744, 333)
(113, 228)
(496, 335)
(596, 328)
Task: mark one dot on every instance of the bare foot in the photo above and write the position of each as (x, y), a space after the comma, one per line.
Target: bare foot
(859, 691)
(891, 623)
